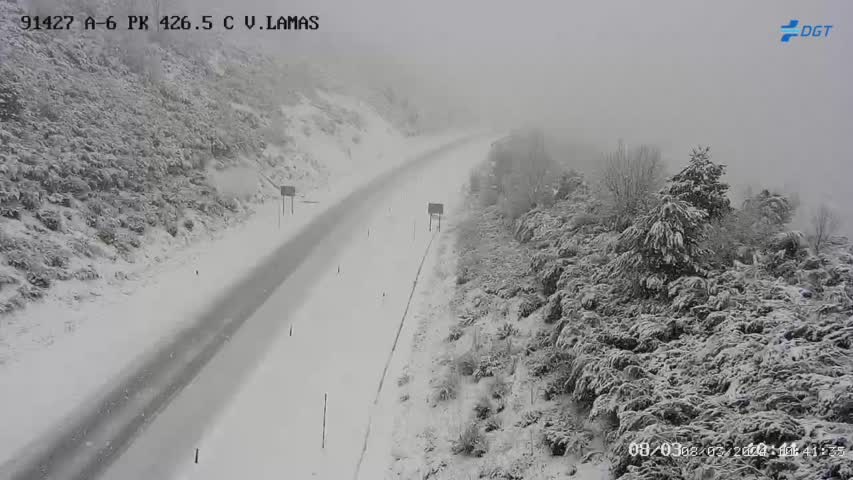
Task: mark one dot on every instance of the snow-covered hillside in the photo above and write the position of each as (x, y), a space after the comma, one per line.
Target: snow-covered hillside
(116, 148)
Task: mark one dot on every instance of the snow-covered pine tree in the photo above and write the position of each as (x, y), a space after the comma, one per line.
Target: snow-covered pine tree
(699, 184)
(661, 245)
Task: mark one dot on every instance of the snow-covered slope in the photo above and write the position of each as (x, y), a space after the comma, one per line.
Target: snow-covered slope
(111, 142)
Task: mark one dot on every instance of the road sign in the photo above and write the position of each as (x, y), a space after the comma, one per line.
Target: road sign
(435, 209)
(287, 191)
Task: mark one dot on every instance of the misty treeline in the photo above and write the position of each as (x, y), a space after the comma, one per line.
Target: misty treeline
(520, 175)
(670, 225)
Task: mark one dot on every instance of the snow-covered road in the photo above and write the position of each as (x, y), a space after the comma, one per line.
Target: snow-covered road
(59, 354)
(344, 304)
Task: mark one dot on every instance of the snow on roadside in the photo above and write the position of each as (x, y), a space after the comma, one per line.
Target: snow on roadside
(55, 353)
(429, 314)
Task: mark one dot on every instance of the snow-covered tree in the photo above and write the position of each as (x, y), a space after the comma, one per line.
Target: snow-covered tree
(699, 184)
(769, 208)
(661, 245)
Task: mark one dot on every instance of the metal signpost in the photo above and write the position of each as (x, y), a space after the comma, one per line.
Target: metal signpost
(435, 209)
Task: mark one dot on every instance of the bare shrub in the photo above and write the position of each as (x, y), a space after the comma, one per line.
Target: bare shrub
(446, 387)
(506, 330)
(492, 423)
(824, 224)
(465, 364)
(470, 441)
(630, 178)
(499, 388)
(520, 175)
(483, 409)
(530, 184)
(456, 332)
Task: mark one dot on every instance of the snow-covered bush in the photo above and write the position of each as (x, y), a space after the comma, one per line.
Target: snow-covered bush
(490, 364)
(661, 245)
(506, 330)
(563, 436)
(699, 184)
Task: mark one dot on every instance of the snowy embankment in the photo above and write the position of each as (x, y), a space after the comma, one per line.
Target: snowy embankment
(58, 352)
(343, 329)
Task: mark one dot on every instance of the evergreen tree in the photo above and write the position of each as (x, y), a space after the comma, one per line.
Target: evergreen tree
(699, 184)
(661, 245)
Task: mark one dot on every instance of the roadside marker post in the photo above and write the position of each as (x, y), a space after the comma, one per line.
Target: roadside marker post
(325, 398)
(435, 209)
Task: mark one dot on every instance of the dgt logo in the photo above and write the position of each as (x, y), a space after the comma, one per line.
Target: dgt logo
(793, 29)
